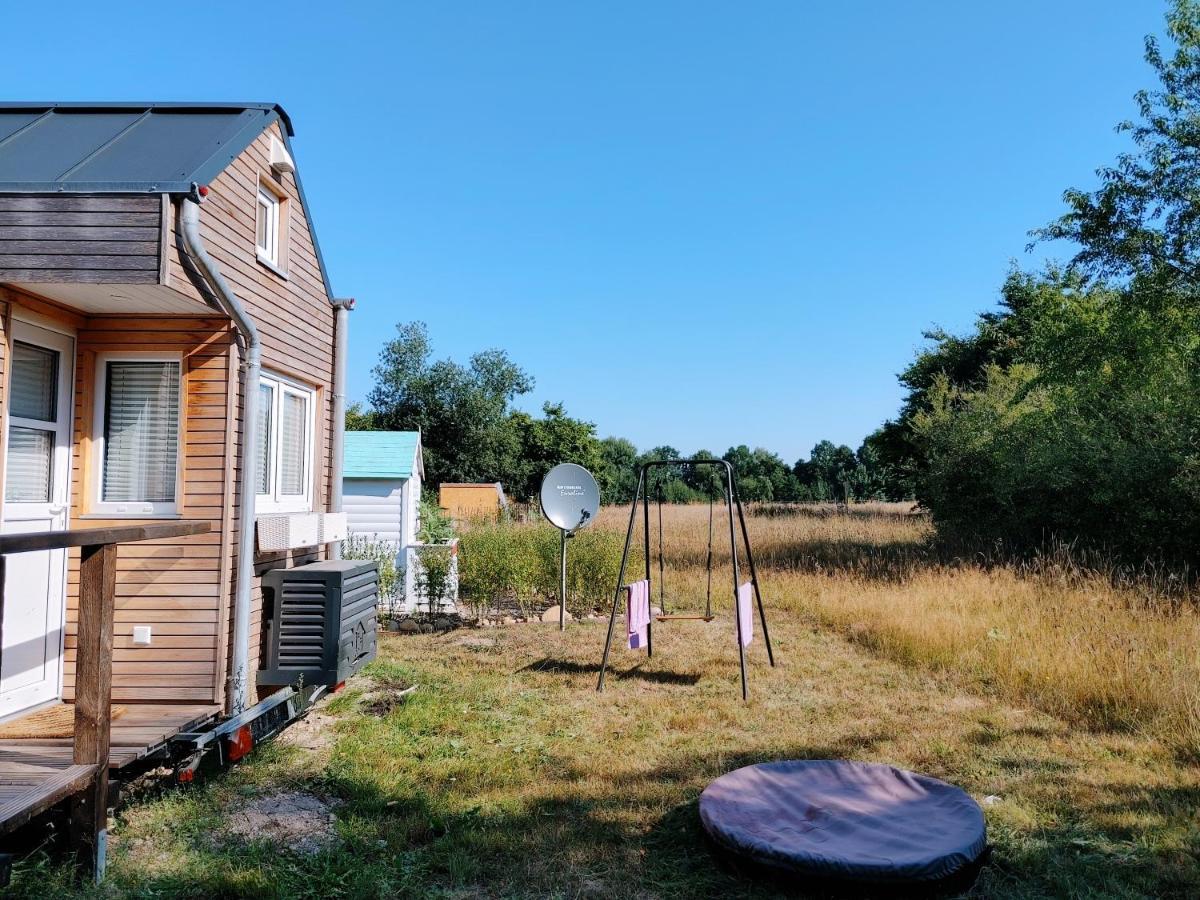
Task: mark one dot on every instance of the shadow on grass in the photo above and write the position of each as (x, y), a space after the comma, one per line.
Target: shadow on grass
(884, 560)
(550, 665)
(608, 832)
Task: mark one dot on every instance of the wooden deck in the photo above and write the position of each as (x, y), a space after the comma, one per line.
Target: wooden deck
(37, 773)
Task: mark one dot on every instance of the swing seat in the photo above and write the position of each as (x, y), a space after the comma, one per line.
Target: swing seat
(669, 618)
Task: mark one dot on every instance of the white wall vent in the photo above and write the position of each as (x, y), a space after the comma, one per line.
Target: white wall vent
(281, 160)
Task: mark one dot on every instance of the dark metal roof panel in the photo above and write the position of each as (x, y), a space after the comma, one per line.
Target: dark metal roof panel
(161, 147)
(10, 123)
(52, 145)
(166, 146)
(131, 147)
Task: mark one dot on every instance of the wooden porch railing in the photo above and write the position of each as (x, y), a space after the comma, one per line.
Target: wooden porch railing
(93, 667)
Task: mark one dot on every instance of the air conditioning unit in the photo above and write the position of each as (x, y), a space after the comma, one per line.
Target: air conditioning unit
(320, 622)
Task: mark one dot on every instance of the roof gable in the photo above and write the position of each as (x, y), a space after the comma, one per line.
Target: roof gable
(381, 454)
(124, 147)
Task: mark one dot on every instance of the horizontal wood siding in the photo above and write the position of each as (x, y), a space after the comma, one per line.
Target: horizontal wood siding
(94, 238)
(177, 587)
(293, 314)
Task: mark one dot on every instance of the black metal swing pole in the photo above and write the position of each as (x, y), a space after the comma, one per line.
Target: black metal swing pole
(612, 619)
(736, 577)
(762, 615)
(646, 520)
(708, 564)
(662, 575)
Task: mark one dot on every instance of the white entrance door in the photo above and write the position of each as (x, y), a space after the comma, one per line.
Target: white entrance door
(37, 475)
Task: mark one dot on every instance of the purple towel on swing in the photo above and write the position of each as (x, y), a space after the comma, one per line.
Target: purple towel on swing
(745, 612)
(637, 614)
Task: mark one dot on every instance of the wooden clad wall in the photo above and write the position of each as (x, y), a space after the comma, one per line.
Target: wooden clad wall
(180, 588)
(292, 311)
(98, 238)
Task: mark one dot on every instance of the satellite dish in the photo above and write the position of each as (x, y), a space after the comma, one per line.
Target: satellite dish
(570, 497)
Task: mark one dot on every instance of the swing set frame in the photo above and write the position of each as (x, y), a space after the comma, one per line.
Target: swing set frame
(732, 500)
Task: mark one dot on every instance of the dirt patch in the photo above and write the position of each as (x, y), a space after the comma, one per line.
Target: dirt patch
(314, 733)
(294, 820)
(388, 694)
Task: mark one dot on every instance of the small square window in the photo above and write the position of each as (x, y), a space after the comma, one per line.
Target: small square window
(267, 226)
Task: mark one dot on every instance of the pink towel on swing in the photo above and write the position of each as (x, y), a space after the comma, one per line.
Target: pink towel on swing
(637, 614)
(745, 612)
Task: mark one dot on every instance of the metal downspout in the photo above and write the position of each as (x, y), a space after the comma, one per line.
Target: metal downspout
(189, 215)
(341, 324)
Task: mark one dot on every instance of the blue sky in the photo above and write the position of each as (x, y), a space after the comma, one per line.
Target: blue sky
(695, 223)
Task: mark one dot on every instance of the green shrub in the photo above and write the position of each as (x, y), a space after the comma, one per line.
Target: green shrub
(495, 562)
(506, 561)
(384, 554)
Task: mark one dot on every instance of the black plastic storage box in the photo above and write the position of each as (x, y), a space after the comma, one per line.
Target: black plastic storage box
(320, 622)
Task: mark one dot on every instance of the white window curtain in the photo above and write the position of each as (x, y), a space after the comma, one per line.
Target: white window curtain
(141, 431)
(33, 393)
(293, 428)
(283, 471)
(30, 451)
(263, 475)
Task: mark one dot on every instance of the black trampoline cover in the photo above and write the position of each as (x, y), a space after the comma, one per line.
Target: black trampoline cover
(841, 820)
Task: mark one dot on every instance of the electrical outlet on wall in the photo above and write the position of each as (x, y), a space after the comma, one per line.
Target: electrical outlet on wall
(141, 635)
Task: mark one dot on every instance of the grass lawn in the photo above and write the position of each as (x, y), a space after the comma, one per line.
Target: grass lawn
(506, 775)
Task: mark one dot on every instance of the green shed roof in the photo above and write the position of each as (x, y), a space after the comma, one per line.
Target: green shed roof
(382, 454)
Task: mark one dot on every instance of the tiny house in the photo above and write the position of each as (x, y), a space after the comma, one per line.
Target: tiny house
(171, 351)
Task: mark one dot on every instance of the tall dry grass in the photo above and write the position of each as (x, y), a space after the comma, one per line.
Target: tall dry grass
(1072, 641)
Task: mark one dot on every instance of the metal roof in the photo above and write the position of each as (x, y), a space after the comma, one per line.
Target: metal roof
(128, 148)
(382, 454)
(124, 147)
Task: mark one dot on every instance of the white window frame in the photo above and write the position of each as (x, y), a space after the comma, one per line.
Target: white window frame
(268, 205)
(273, 501)
(133, 509)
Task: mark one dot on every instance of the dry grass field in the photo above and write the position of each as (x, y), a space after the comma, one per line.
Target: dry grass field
(1064, 705)
(1070, 642)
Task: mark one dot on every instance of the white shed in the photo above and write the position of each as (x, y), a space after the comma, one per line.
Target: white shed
(381, 486)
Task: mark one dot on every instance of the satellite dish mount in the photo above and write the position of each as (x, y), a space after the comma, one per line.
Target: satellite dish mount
(570, 500)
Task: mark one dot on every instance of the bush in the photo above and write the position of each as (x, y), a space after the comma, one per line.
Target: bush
(384, 554)
(506, 561)
(495, 562)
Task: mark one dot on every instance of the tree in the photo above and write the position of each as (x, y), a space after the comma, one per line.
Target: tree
(1143, 222)
(555, 438)
(617, 473)
(359, 419)
(828, 472)
(462, 411)
(762, 475)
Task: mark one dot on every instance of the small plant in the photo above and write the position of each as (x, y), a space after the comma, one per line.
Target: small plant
(435, 526)
(434, 576)
(391, 573)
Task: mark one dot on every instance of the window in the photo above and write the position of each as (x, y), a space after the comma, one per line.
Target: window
(33, 412)
(138, 417)
(267, 227)
(285, 455)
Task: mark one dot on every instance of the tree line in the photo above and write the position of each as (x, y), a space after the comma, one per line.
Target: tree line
(1070, 412)
(471, 432)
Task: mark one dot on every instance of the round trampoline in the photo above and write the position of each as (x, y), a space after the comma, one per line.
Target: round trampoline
(845, 822)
